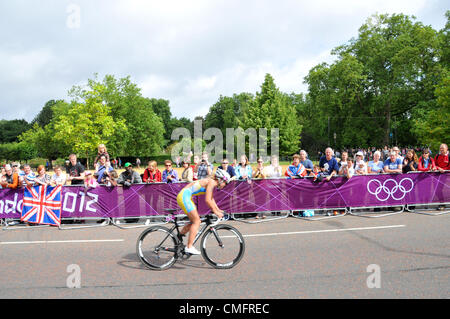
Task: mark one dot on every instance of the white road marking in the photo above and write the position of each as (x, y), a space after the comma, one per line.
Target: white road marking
(249, 235)
(60, 241)
(324, 231)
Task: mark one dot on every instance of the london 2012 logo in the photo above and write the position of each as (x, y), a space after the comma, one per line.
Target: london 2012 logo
(390, 188)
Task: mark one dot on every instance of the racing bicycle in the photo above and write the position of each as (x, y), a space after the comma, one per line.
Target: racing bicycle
(222, 246)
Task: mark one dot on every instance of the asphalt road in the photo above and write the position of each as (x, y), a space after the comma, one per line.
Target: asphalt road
(400, 256)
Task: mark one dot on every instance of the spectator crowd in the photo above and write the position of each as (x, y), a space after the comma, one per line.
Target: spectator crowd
(331, 163)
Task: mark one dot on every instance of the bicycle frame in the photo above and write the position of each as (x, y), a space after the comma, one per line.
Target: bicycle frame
(200, 232)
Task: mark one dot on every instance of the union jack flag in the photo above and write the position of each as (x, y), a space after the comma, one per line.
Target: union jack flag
(42, 205)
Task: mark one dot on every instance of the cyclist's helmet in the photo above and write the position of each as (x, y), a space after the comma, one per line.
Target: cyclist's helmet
(222, 175)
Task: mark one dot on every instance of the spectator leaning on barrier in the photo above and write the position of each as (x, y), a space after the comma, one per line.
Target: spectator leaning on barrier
(296, 169)
(28, 176)
(360, 166)
(393, 164)
(169, 175)
(89, 180)
(347, 168)
(274, 170)
(441, 160)
(343, 161)
(318, 174)
(328, 164)
(129, 176)
(376, 165)
(398, 153)
(258, 172)
(42, 178)
(152, 174)
(75, 171)
(426, 163)
(227, 167)
(102, 166)
(309, 166)
(58, 178)
(410, 162)
(243, 169)
(111, 179)
(11, 179)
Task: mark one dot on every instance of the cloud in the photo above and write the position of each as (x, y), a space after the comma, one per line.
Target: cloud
(189, 52)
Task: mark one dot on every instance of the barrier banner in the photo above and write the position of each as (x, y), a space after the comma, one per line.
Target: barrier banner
(241, 196)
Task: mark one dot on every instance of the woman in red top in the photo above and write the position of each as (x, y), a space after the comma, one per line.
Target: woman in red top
(426, 163)
(152, 174)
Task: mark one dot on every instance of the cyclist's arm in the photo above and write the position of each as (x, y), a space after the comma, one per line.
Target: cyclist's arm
(210, 200)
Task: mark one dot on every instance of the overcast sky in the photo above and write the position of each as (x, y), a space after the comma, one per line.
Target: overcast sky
(189, 52)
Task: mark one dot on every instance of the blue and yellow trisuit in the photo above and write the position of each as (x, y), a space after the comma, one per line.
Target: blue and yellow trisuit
(184, 198)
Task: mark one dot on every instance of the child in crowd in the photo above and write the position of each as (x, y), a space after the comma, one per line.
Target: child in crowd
(348, 169)
(318, 174)
(59, 178)
(101, 150)
(110, 178)
(90, 181)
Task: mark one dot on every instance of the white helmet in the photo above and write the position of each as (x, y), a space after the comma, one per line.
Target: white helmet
(223, 175)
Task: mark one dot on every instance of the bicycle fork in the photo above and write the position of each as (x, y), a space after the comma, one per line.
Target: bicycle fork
(219, 241)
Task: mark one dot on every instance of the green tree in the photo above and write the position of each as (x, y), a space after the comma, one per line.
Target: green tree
(271, 109)
(42, 139)
(21, 151)
(378, 83)
(10, 130)
(86, 125)
(433, 126)
(45, 116)
(162, 109)
(401, 64)
(142, 132)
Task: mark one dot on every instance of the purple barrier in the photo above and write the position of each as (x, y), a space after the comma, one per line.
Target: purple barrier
(237, 197)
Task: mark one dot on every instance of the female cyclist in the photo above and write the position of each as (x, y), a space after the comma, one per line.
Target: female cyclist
(200, 187)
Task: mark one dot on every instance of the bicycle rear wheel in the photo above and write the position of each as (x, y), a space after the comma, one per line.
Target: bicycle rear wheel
(157, 247)
(222, 246)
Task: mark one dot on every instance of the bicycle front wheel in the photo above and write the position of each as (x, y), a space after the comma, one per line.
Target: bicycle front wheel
(156, 248)
(222, 246)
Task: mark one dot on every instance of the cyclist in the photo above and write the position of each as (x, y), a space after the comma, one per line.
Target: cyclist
(184, 199)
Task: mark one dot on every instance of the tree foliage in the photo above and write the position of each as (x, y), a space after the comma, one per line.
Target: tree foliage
(380, 82)
(10, 130)
(388, 85)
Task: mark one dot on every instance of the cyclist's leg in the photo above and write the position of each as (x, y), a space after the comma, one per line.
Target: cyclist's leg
(194, 226)
(184, 200)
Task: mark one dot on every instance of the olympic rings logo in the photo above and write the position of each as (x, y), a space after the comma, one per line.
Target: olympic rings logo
(390, 188)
